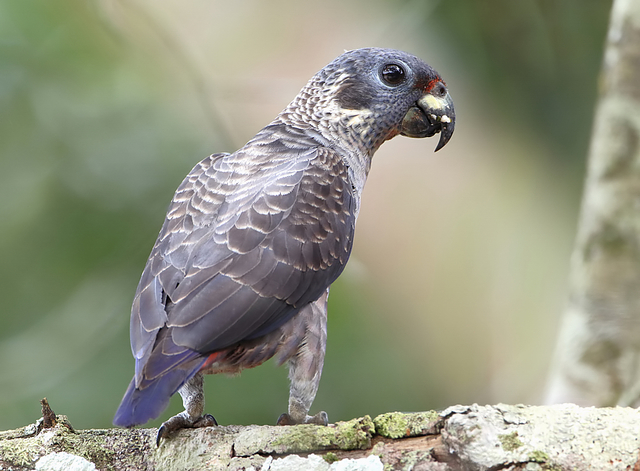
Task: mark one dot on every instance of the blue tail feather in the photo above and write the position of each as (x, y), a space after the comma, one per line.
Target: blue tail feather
(140, 405)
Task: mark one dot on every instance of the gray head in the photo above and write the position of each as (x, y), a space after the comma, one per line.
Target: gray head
(367, 96)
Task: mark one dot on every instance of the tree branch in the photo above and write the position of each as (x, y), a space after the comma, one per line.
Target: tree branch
(564, 437)
(597, 360)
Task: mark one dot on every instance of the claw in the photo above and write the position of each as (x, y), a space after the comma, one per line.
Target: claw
(321, 418)
(182, 420)
(285, 419)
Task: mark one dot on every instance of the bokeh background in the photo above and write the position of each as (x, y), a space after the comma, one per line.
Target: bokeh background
(459, 271)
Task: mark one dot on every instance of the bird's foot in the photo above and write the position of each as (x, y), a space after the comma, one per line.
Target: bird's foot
(321, 418)
(184, 420)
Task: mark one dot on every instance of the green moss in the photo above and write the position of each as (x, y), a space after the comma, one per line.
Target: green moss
(331, 457)
(538, 456)
(413, 459)
(89, 446)
(399, 424)
(61, 437)
(18, 453)
(355, 434)
(541, 457)
(351, 435)
(378, 449)
(510, 441)
(392, 425)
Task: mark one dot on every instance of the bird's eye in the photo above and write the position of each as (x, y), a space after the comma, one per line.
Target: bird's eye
(392, 74)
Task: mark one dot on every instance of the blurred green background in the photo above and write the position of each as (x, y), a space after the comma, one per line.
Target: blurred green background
(459, 269)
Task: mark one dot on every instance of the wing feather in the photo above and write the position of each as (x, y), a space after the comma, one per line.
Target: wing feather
(249, 239)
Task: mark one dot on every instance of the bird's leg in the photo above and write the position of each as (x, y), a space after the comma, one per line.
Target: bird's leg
(192, 393)
(304, 385)
(305, 367)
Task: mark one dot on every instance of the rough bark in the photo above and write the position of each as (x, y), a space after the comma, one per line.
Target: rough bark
(597, 360)
(502, 437)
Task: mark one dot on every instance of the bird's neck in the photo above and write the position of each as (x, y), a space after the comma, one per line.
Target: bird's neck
(351, 133)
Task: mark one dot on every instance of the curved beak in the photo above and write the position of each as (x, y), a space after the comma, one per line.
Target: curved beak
(431, 114)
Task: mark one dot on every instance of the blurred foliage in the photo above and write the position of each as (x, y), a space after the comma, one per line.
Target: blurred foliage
(537, 60)
(95, 137)
(90, 156)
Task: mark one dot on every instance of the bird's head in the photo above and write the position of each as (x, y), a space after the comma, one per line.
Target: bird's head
(367, 96)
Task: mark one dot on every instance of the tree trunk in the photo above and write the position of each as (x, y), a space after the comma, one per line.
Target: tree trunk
(564, 437)
(597, 359)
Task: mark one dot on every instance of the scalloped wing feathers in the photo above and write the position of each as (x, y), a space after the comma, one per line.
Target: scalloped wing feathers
(249, 239)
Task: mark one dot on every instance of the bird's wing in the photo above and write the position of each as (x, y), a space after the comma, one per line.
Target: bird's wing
(249, 239)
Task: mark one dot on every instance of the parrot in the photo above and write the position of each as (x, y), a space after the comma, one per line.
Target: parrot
(252, 240)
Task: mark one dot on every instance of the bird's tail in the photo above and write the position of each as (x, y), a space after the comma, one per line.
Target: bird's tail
(147, 401)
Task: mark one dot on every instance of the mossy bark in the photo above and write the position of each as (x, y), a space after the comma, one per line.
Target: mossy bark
(564, 437)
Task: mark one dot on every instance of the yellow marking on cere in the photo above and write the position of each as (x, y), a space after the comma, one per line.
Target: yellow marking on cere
(432, 102)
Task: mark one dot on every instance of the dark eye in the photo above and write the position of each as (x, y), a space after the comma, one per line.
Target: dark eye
(392, 74)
